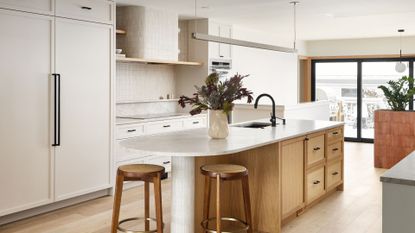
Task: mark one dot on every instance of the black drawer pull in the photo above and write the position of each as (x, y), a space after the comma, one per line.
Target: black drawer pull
(306, 139)
(131, 130)
(195, 122)
(166, 162)
(335, 133)
(316, 182)
(166, 126)
(334, 173)
(335, 149)
(86, 8)
(316, 148)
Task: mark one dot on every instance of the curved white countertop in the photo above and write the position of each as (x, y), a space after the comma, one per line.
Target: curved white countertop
(196, 142)
(402, 173)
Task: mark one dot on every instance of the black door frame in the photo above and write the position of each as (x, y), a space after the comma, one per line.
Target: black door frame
(359, 84)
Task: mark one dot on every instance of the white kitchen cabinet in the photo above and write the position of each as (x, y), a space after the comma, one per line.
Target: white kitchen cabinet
(83, 59)
(219, 50)
(89, 10)
(25, 151)
(34, 6)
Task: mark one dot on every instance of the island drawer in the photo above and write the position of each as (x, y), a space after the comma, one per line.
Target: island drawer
(315, 184)
(162, 127)
(334, 135)
(334, 174)
(315, 150)
(194, 122)
(89, 10)
(126, 131)
(335, 150)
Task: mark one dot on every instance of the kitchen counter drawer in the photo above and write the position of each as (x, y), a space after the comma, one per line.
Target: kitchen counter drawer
(334, 135)
(315, 184)
(335, 150)
(315, 150)
(127, 131)
(162, 127)
(164, 161)
(334, 174)
(194, 122)
(89, 10)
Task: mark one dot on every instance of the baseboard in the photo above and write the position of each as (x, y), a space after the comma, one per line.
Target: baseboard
(54, 206)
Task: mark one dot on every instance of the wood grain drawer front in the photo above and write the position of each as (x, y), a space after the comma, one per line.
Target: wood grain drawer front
(162, 127)
(334, 174)
(315, 150)
(334, 135)
(335, 150)
(33, 6)
(89, 10)
(128, 131)
(199, 122)
(315, 184)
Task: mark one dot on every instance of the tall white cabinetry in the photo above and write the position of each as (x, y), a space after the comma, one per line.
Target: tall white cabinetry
(55, 88)
(25, 152)
(219, 50)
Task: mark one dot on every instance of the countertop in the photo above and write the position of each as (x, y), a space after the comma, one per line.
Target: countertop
(196, 142)
(402, 173)
(126, 121)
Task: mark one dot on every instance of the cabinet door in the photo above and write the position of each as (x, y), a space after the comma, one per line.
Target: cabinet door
(225, 50)
(35, 6)
(25, 68)
(292, 174)
(214, 30)
(83, 58)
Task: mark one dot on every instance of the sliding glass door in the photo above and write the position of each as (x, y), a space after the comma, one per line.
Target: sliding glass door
(351, 87)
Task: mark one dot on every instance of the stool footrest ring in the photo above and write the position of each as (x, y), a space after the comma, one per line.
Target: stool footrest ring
(136, 219)
(244, 226)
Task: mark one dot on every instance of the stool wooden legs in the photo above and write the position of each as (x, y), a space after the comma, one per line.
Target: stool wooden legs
(247, 202)
(218, 213)
(117, 203)
(206, 200)
(147, 205)
(157, 197)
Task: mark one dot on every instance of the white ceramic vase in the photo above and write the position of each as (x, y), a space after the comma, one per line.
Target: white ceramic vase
(218, 124)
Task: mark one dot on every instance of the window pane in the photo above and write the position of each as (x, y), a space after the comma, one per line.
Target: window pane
(373, 75)
(337, 83)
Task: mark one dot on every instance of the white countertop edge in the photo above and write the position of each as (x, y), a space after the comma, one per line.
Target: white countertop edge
(130, 121)
(402, 173)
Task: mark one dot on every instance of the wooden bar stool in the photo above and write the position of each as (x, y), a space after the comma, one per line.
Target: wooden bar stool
(139, 172)
(223, 172)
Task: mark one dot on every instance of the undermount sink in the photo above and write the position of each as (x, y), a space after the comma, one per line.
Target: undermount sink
(256, 125)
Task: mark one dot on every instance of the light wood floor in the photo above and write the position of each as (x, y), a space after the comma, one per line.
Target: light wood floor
(356, 210)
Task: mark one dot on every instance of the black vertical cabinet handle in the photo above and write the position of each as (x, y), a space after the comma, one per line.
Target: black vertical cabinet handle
(57, 110)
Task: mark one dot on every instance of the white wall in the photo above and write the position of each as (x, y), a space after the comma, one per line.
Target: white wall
(270, 72)
(368, 46)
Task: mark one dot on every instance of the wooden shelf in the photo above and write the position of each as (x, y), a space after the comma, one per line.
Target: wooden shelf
(120, 32)
(146, 101)
(157, 62)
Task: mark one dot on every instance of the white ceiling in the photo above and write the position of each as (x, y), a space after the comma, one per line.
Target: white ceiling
(317, 19)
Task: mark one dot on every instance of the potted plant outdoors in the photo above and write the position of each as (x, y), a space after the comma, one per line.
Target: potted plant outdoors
(395, 128)
(217, 96)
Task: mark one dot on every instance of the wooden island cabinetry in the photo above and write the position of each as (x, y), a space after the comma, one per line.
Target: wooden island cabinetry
(311, 167)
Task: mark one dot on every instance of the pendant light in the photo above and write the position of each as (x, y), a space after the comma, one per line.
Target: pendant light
(242, 43)
(400, 67)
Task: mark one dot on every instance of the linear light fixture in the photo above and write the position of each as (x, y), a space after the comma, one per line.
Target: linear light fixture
(243, 43)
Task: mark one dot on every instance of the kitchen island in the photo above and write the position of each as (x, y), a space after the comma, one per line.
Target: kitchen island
(290, 167)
